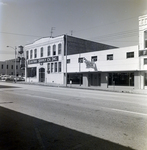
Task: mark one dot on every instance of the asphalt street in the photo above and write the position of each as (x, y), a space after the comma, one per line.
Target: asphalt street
(64, 118)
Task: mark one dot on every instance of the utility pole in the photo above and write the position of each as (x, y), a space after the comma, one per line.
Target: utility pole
(66, 61)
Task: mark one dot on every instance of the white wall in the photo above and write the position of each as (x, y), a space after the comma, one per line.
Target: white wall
(119, 62)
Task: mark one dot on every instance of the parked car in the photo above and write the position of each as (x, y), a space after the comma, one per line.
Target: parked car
(19, 79)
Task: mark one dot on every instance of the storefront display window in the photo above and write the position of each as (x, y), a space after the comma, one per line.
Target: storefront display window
(121, 79)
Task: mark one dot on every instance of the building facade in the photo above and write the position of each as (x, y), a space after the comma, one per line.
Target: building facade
(65, 59)
(8, 68)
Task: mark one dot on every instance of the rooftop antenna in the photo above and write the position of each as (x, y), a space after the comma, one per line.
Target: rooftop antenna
(52, 28)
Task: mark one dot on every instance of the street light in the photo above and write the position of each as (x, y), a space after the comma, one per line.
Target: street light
(15, 59)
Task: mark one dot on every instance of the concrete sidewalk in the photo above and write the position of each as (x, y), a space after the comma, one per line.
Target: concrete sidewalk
(122, 89)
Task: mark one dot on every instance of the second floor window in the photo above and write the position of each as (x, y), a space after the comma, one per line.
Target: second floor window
(27, 54)
(2, 66)
(54, 49)
(48, 51)
(80, 60)
(110, 57)
(11, 66)
(31, 53)
(41, 52)
(145, 61)
(59, 49)
(35, 53)
(130, 54)
(94, 58)
(68, 61)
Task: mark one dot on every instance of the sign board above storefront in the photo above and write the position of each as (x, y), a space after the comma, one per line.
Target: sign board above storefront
(43, 60)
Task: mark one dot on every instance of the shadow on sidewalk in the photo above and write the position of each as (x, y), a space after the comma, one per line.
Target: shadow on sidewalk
(22, 132)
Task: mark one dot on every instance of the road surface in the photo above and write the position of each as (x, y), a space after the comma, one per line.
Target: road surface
(118, 118)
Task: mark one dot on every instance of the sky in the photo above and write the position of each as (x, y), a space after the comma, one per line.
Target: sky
(113, 22)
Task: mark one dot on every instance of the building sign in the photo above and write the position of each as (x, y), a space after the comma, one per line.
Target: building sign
(33, 61)
(43, 60)
(89, 64)
(55, 58)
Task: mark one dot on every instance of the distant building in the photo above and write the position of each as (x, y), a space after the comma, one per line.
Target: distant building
(65, 58)
(8, 68)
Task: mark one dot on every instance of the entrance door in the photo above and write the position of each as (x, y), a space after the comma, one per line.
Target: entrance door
(94, 79)
(41, 75)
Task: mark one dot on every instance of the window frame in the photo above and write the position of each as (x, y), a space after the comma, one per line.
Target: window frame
(54, 49)
(68, 61)
(145, 61)
(80, 60)
(41, 52)
(94, 58)
(48, 50)
(27, 54)
(130, 55)
(110, 57)
(55, 67)
(31, 54)
(59, 67)
(59, 48)
(35, 53)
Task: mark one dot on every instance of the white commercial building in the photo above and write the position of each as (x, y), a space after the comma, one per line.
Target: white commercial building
(66, 59)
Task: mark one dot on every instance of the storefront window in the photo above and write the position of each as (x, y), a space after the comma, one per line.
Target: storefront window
(31, 72)
(121, 79)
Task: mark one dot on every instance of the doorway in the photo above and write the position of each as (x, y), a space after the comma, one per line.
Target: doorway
(41, 75)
